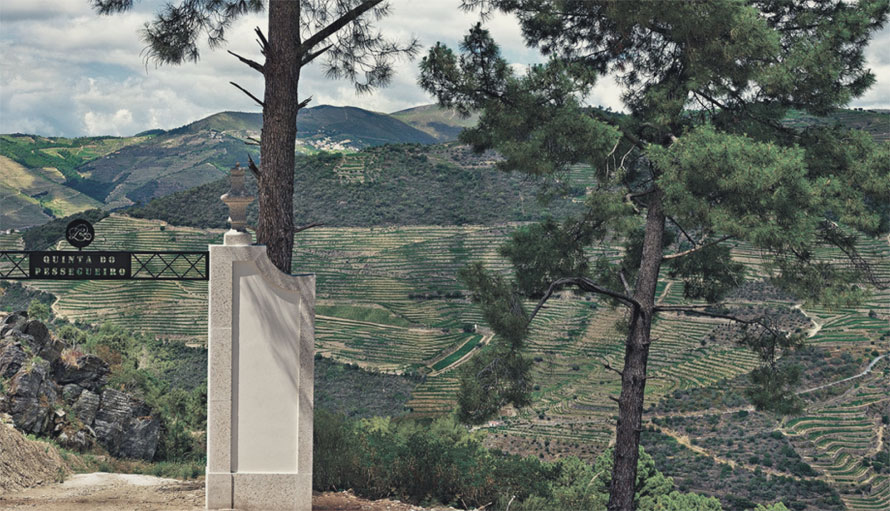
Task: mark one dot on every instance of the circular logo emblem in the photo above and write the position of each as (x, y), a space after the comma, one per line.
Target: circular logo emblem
(79, 233)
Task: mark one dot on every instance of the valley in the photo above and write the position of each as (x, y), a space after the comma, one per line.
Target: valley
(400, 217)
(389, 301)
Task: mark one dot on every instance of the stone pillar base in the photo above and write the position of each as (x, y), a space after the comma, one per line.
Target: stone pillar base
(260, 382)
(267, 492)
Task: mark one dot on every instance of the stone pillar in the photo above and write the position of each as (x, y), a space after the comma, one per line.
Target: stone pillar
(260, 377)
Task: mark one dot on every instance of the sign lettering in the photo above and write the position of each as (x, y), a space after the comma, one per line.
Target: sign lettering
(79, 265)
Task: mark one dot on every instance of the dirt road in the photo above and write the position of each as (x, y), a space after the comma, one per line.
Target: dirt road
(129, 492)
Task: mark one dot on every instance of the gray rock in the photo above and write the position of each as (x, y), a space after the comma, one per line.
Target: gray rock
(86, 406)
(140, 438)
(71, 392)
(124, 427)
(38, 331)
(88, 371)
(13, 322)
(12, 357)
(81, 440)
(16, 335)
(42, 343)
(114, 411)
(32, 399)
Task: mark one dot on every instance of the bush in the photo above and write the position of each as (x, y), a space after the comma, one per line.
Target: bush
(39, 311)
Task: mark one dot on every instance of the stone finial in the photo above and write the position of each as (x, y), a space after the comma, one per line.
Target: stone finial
(237, 200)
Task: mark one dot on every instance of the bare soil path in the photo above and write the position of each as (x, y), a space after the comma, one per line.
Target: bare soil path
(109, 492)
(131, 492)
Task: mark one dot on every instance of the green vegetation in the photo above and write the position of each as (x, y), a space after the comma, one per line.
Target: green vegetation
(43, 237)
(63, 154)
(465, 348)
(739, 489)
(343, 388)
(389, 185)
(16, 297)
(441, 462)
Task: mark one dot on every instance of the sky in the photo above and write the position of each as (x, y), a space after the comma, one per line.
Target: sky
(65, 71)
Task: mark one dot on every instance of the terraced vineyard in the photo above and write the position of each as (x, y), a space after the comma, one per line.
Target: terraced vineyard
(838, 438)
(388, 299)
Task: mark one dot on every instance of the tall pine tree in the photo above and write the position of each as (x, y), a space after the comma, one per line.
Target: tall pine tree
(343, 32)
(702, 161)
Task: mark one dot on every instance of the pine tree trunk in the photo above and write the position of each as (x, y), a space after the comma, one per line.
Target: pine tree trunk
(636, 355)
(275, 227)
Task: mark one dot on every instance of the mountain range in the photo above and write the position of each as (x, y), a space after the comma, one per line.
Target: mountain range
(42, 178)
(50, 177)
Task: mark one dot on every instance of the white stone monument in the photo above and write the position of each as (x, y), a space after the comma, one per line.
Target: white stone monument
(260, 374)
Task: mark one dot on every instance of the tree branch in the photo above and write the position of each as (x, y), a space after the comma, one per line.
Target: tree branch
(261, 40)
(624, 282)
(242, 89)
(252, 166)
(337, 24)
(307, 226)
(688, 237)
(303, 103)
(701, 246)
(698, 311)
(610, 368)
(254, 65)
(309, 57)
(585, 284)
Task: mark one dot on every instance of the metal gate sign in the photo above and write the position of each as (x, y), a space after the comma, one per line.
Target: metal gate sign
(101, 264)
(79, 265)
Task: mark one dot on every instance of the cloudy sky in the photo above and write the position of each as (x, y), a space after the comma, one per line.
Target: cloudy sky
(64, 71)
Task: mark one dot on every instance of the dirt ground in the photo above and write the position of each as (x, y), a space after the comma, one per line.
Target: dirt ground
(129, 492)
(25, 463)
(29, 472)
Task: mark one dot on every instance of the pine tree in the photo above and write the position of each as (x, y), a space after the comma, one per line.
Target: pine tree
(343, 31)
(702, 161)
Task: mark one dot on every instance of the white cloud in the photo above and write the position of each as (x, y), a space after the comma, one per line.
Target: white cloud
(66, 71)
(111, 124)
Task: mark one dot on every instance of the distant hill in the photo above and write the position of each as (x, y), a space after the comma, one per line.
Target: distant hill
(391, 185)
(323, 127)
(441, 123)
(39, 180)
(161, 165)
(874, 122)
(50, 177)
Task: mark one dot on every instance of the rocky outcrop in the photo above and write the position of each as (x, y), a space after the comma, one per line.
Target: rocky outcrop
(87, 371)
(12, 357)
(12, 321)
(51, 390)
(32, 398)
(43, 344)
(125, 426)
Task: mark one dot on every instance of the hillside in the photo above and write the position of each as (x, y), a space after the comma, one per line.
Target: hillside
(39, 180)
(162, 165)
(390, 185)
(45, 178)
(436, 121)
(51, 177)
(322, 127)
(388, 300)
